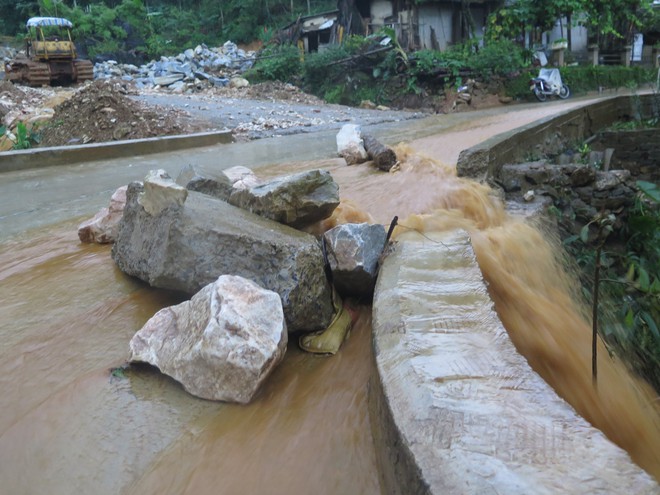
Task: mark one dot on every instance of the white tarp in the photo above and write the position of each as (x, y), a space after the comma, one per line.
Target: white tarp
(552, 76)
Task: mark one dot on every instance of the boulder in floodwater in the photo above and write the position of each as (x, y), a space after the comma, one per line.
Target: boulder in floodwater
(297, 200)
(220, 184)
(103, 228)
(353, 251)
(220, 345)
(189, 245)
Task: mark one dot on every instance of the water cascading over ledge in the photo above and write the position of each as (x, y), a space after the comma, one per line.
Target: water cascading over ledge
(442, 412)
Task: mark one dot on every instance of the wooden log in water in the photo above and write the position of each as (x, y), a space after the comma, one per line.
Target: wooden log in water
(383, 156)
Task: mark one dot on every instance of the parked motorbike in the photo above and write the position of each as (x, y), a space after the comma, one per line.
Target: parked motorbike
(549, 83)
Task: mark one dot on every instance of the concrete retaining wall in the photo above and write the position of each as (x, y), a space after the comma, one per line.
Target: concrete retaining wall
(551, 135)
(642, 145)
(456, 409)
(66, 155)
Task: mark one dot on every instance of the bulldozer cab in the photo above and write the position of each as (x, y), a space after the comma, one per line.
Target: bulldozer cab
(49, 38)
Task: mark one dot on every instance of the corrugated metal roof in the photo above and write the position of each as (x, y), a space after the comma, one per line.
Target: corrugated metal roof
(49, 21)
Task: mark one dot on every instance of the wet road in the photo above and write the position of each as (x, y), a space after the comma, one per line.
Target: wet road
(32, 199)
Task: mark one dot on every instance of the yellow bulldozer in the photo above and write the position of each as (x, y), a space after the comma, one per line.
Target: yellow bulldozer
(50, 55)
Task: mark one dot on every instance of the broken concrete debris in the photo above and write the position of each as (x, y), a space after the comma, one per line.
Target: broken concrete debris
(198, 67)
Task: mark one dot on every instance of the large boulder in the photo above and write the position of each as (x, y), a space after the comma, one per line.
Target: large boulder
(104, 226)
(187, 246)
(220, 345)
(353, 251)
(295, 200)
(220, 184)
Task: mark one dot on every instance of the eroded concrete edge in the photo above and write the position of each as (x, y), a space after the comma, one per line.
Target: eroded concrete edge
(66, 155)
(459, 410)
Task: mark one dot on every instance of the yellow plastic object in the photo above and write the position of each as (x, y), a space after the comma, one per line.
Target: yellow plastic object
(329, 341)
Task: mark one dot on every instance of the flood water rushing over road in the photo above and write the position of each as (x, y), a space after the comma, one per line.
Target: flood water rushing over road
(69, 425)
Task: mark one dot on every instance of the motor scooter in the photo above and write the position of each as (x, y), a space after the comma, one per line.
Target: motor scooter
(549, 83)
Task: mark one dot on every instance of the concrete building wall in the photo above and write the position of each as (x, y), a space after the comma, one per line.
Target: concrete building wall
(438, 19)
(380, 10)
(578, 36)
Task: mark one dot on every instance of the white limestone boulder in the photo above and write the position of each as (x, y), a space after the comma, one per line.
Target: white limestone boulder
(220, 345)
(104, 226)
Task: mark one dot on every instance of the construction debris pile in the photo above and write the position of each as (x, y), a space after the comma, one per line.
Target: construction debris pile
(193, 70)
(27, 106)
(102, 111)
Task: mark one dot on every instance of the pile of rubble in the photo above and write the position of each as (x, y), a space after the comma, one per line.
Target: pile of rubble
(102, 111)
(194, 69)
(25, 105)
(6, 54)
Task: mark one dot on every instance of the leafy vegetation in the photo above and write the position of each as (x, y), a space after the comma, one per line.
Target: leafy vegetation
(582, 79)
(160, 27)
(630, 281)
(611, 22)
(24, 138)
(277, 63)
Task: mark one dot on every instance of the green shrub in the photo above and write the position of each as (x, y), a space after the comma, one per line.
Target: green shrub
(590, 78)
(278, 63)
(582, 79)
(630, 284)
(501, 58)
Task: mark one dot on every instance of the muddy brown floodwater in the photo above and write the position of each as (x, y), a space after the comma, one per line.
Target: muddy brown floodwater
(69, 425)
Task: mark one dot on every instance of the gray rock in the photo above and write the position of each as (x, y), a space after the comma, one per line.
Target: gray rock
(194, 179)
(220, 345)
(583, 175)
(160, 192)
(219, 185)
(512, 178)
(219, 82)
(353, 251)
(611, 179)
(296, 200)
(187, 246)
(177, 87)
(167, 80)
(241, 177)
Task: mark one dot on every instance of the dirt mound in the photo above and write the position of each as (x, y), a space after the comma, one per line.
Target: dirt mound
(102, 111)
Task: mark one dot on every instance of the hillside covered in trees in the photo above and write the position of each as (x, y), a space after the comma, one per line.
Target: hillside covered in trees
(157, 27)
